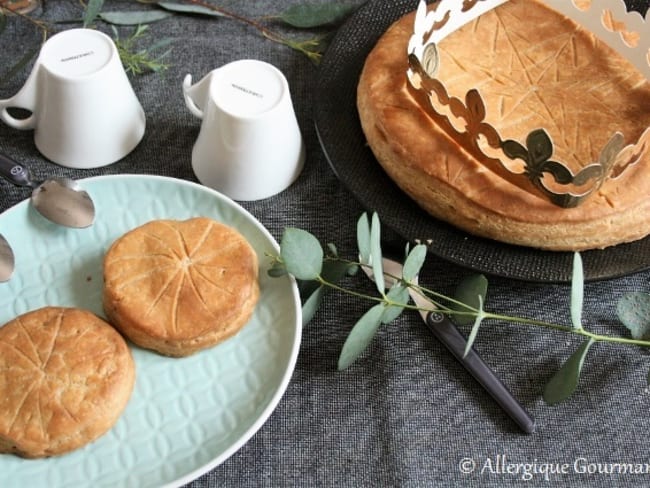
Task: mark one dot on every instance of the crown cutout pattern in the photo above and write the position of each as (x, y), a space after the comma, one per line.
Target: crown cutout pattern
(529, 165)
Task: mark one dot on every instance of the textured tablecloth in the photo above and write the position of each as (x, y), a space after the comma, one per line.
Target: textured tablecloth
(406, 413)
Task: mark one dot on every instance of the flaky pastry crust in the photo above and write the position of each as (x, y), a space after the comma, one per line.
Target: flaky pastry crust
(180, 286)
(65, 378)
(580, 91)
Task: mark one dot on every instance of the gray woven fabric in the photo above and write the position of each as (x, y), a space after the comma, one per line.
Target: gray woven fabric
(406, 413)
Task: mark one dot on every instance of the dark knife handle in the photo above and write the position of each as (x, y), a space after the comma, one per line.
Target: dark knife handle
(451, 337)
(14, 171)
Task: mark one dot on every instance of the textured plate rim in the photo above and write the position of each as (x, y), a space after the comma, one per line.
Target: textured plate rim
(282, 385)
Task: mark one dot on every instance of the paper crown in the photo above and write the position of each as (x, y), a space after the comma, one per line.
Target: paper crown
(626, 32)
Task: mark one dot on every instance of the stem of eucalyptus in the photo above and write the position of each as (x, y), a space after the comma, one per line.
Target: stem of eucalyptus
(565, 328)
(232, 15)
(470, 311)
(301, 46)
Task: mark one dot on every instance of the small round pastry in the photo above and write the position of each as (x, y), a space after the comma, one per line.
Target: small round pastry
(65, 378)
(177, 287)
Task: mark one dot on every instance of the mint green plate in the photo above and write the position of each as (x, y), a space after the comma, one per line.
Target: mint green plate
(187, 415)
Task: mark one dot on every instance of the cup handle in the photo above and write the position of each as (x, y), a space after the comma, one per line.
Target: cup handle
(25, 99)
(7, 118)
(189, 102)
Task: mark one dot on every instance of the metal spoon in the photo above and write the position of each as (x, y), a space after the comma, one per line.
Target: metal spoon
(7, 261)
(61, 200)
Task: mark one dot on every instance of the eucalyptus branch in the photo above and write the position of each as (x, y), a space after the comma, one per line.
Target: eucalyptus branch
(299, 16)
(469, 310)
(302, 256)
(308, 47)
(135, 60)
(333, 286)
(572, 330)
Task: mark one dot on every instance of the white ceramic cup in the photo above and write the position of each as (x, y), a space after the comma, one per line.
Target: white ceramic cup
(84, 111)
(249, 146)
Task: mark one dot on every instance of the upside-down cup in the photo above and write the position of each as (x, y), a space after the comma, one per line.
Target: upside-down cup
(249, 146)
(84, 112)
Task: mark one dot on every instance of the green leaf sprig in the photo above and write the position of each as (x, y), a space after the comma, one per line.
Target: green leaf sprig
(303, 16)
(309, 15)
(138, 60)
(91, 12)
(302, 256)
(135, 59)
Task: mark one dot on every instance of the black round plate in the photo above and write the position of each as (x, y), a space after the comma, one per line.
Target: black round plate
(344, 144)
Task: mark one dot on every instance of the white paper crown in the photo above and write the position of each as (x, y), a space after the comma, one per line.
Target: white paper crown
(626, 32)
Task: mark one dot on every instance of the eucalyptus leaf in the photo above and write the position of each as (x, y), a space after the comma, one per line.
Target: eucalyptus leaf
(352, 269)
(398, 293)
(334, 271)
(308, 15)
(407, 249)
(565, 381)
(160, 44)
(376, 255)
(185, 8)
(414, 261)
(93, 7)
(277, 270)
(133, 17)
(633, 311)
(363, 238)
(471, 291)
(342, 268)
(577, 291)
(360, 336)
(477, 323)
(312, 304)
(301, 253)
(306, 288)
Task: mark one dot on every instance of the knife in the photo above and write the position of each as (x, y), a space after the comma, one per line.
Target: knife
(445, 330)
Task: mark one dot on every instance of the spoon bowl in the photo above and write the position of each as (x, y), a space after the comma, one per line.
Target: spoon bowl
(60, 200)
(7, 260)
(63, 201)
